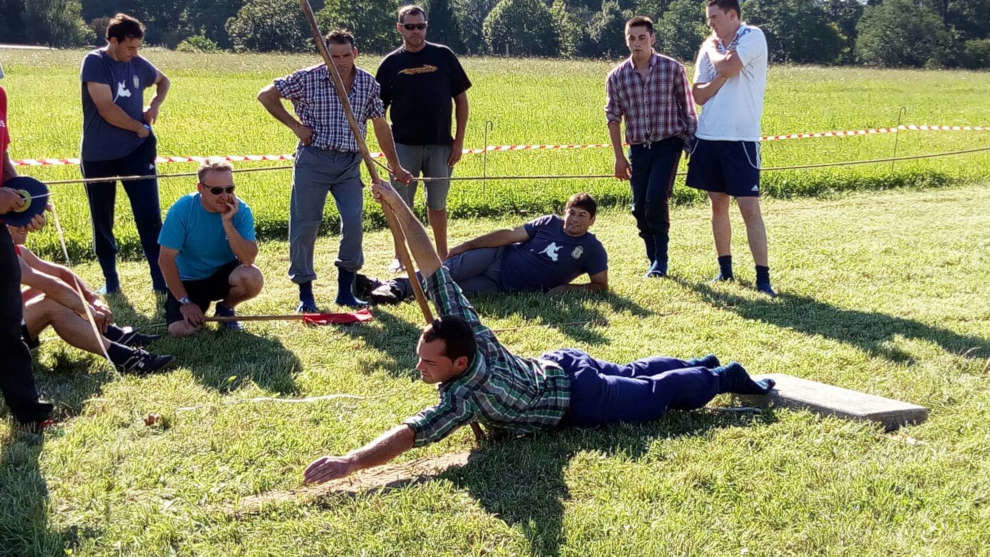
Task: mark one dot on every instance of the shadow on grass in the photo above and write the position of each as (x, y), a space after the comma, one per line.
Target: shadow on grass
(522, 481)
(24, 528)
(871, 332)
(571, 313)
(393, 337)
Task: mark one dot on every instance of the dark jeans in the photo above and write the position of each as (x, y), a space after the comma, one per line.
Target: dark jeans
(654, 167)
(604, 392)
(143, 195)
(16, 380)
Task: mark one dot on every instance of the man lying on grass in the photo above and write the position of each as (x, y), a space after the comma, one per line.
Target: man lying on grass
(543, 255)
(481, 381)
(52, 300)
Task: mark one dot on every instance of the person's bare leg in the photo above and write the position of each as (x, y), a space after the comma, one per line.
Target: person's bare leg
(438, 222)
(721, 226)
(69, 325)
(756, 232)
(245, 283)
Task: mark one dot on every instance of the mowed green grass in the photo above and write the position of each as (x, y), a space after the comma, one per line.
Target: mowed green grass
(883, 292)
(211, 110)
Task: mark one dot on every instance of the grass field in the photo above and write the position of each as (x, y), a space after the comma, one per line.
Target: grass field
(880, 292)
(212, 110)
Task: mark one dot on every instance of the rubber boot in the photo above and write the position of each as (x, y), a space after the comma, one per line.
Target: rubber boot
(345, 296)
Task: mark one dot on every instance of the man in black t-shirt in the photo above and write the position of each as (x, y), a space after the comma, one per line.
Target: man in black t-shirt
(418, 81)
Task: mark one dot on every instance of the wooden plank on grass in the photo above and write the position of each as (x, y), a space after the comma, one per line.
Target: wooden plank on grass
(829, 400)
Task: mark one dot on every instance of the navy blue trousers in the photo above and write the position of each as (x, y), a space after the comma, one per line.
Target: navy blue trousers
(16, 380)
(640, 391)
(653, 169)
(143, 195)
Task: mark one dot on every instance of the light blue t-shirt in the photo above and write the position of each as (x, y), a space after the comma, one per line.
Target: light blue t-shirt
(101, 140)
(199, 237)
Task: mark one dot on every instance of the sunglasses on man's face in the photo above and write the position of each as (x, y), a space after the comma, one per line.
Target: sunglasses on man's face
(412, 26)
(217, 190)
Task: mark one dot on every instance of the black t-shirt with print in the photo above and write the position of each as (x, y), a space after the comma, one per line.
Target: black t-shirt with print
(419, 88)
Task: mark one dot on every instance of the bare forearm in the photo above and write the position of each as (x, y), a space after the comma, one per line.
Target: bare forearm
(389, 445)
(245, 250)
(385, 141)
(115, 116)
(55, 289)
(272, 102)
(161, 91)
(461, 112)
(420, 245)
(703, 92)
(170, 272)
(8, 167)
(494, 239)
(615, 137)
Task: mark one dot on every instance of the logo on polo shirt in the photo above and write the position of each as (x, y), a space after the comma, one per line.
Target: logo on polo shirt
(122, 90)
(551, 251)
(577, 252)
(755, 188)
(425, 68)
(137, 82)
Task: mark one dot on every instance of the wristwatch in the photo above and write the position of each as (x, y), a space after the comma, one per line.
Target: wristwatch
(184, 300)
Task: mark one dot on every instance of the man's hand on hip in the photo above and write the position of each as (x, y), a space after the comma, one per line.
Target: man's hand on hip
(304, 134)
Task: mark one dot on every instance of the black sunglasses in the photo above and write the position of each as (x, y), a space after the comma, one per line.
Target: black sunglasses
(217, 190)
(411, 26)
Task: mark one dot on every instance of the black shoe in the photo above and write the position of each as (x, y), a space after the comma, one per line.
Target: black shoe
(35, 413)
(135, 339)
(766, 289)
(386, 294)
(143, 363)
(364, 285)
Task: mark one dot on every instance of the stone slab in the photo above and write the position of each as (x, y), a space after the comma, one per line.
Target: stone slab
(829, 400)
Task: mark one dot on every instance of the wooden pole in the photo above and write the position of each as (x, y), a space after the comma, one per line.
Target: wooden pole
(393, 224)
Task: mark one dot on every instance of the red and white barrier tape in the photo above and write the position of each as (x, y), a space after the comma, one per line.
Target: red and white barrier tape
(503, 148)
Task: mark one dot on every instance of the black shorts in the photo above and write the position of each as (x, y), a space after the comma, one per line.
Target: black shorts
(201, 292)
(730, 167)
(30, 341)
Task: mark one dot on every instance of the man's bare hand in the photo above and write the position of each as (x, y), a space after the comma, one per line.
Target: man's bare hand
(456, 150)
(326, 468)
(230, 209)
(101, 318)
(384, 193)
(10, 200)
(150, 114)
(192, 314)
(622, 168)
(304, 134)
(402, 175)
(456, 250)
(37, 223)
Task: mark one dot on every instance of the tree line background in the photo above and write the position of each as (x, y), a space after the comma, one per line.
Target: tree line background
(919, 33)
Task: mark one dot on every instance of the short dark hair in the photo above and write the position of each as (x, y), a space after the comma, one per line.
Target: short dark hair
(584, 201)
(640, 21)
(411, 9)
(456, 334)
(123, 27)
(340, 36)
(726, 5)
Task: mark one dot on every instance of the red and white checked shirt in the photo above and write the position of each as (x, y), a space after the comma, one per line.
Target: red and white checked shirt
(316, 103)
(655, 108)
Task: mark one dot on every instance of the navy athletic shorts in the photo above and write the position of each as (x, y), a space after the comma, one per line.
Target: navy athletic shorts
(730, 167)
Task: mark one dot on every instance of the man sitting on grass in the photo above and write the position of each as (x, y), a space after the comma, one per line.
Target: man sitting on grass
(543, 255)
(52, 299)
(207, 252)
(481, 381)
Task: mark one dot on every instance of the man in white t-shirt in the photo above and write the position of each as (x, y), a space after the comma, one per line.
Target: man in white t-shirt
(730, 76)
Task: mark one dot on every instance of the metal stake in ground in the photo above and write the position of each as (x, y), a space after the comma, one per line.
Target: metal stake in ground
(393, 224)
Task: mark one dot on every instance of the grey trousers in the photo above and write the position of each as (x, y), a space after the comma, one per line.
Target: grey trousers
(425, 160)
(315, 174)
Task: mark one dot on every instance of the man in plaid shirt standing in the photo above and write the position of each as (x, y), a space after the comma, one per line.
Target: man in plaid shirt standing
(328, 160)
(653, 95)
(479, 380)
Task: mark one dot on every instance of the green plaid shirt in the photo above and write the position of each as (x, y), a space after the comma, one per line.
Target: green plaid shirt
(498, 389)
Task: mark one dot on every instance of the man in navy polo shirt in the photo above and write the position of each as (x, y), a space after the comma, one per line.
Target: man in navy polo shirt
(207, 252)
(118, 141)
(543, 255)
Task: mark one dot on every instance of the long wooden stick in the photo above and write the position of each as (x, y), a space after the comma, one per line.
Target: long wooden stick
(393, 224)
(280, 317)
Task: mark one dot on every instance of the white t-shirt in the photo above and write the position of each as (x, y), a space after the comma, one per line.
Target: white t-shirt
(734, 113)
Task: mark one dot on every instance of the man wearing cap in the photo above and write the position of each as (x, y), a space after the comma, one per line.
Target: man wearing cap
(418, 81)
(118, 141)
(16, 378)
(207, 252)
(328, 160)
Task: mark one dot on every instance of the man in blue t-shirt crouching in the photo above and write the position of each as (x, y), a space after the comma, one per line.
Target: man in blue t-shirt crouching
(207, 252)
(543, 255)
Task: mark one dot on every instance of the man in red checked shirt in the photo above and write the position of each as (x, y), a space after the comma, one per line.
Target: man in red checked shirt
(16, 380)
(651, 92)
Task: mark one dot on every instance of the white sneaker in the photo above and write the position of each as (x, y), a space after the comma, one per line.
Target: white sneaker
(395, 266)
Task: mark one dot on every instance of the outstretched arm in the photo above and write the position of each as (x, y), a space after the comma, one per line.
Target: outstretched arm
(599, 283)
(387, 446)
(419, 243)
(494, 239)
